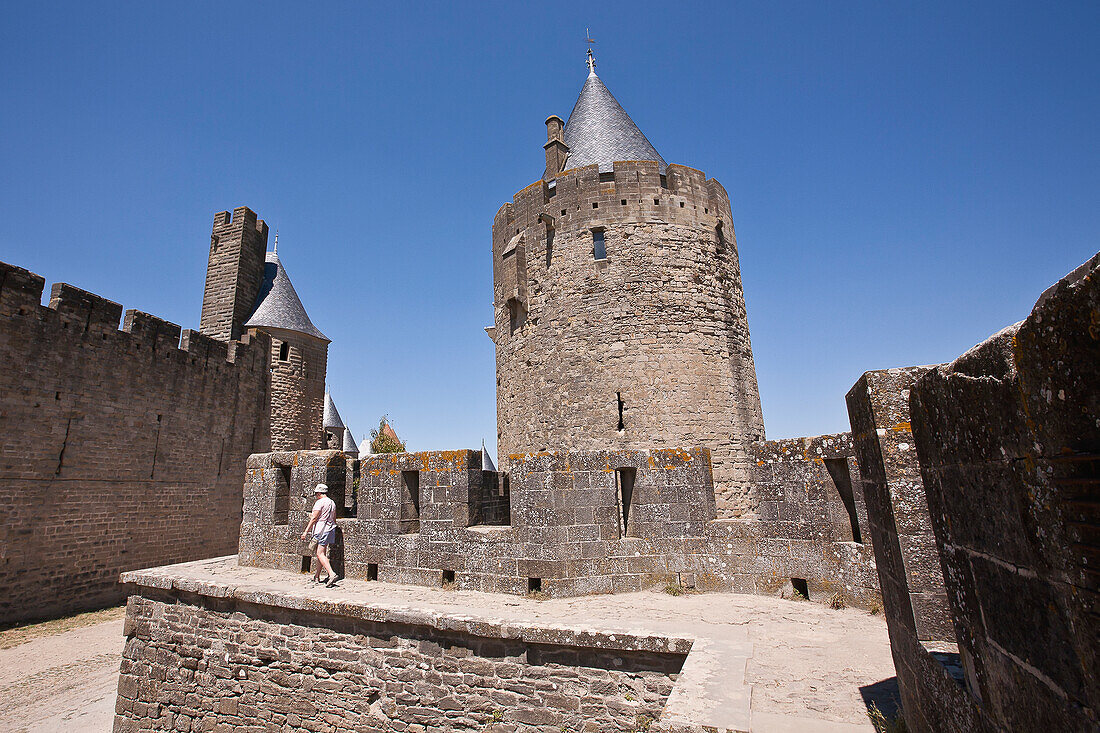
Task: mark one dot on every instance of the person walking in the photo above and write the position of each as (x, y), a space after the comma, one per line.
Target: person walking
(323, 524)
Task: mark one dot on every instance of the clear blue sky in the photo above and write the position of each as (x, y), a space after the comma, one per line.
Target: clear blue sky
(905, 178)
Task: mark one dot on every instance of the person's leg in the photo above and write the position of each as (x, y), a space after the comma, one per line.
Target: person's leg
(322, 558)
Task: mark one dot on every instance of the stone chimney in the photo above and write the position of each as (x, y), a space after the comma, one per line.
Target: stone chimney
(556, 149)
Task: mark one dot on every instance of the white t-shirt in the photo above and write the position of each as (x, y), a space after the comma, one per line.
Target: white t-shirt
(326, 521)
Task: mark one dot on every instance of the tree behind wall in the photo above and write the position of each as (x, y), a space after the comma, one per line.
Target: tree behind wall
(383, 439)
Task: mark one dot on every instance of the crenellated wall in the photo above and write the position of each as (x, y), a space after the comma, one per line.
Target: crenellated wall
(119, 449)
(578, 522)
(646, 347)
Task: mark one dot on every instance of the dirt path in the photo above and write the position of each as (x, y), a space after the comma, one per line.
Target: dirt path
(61, 675)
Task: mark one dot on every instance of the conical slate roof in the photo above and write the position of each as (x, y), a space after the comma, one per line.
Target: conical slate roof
(278, 305)
(349, 442)
(331, 419)
(600, 131)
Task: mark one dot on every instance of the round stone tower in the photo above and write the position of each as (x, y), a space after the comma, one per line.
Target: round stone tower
(619, 315)
(299, 361)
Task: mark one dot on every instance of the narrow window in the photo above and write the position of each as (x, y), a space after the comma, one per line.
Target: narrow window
(664, 181)
(281, 513)
(599, 251)
(624, 490)
(656, 202)
(284, 351)
(721, 238)
(842, 480)
(410, 502)
(549, 247)
(621, 405)
(517, 315)
(681, 204)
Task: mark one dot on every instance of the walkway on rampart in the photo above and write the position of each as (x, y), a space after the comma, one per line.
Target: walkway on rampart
(756, 663)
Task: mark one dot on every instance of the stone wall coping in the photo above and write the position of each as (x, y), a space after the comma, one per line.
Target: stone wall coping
(710, 692)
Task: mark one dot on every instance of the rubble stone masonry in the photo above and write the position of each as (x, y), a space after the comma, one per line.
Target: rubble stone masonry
(194, 662)
(645, 347)
(119, 449)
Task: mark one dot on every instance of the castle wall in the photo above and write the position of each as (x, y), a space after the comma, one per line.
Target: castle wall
(1009, 448)
(234, 272)
(657, 328)
(568, 533)
(215, 663)
(118, 449)
(297, 391)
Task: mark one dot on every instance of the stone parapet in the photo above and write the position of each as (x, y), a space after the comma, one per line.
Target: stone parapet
(123, 447)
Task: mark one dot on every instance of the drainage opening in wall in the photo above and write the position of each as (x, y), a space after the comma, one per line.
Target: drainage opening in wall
(800, 587)
(534, 585)
(448, 577)
(372, 571)
(305, 563)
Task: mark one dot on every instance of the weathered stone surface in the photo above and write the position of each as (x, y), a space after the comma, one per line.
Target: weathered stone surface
(119, 449)
(568, 533)
(1008, 441)
(658, 327)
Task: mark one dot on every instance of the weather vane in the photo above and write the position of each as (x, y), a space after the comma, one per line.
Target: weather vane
(591, 60)
(276, 240)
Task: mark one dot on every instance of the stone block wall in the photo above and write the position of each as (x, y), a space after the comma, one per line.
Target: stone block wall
(119, 449)
(579, 522)
(199, 663)
(1009, 445)
(234, 272)
(914, 598)
(878, 406)
(648, 347)
(297, 391)
(809, 503)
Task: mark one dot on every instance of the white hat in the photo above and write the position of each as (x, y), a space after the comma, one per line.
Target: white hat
(321, 489)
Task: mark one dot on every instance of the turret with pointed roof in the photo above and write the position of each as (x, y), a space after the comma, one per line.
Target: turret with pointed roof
(619, 315)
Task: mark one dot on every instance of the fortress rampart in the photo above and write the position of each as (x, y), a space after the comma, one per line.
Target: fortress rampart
(119, 449)
(620, 321)
(576, 522)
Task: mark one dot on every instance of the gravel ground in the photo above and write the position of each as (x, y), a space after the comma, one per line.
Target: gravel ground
(61, 675)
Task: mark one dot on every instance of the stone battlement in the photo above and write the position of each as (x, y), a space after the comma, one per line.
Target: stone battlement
(124, 446)
(563, 523)
(634, 192)
(79, 314)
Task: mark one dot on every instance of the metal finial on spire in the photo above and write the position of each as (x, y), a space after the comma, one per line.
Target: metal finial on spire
(591, 59)
(276, 240)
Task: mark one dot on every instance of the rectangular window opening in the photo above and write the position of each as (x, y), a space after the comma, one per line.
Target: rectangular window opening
(607, 177)
(372, 571)
(410, 502)
(622, 202)
(448, 577)
(664, 181)
(599, 249)
(621, 406)
(549, 247)
(681, 204)
(281, 513)
(534, 585)
(624, 491)
(284, 351)
(801, 587)
(595, 204)
(656, 202)
(842, 480)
